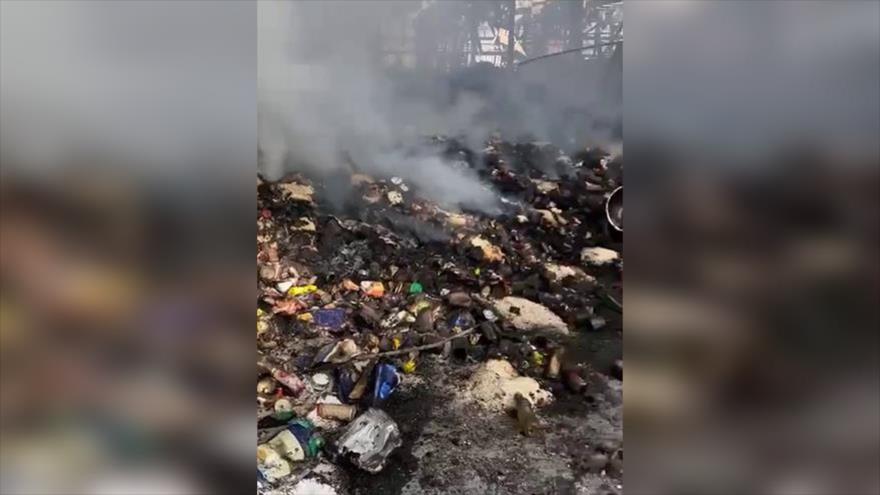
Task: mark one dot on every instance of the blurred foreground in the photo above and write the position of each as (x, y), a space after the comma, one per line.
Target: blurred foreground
(753, 219)
(121, 346)
(751, 331)
(125, 246)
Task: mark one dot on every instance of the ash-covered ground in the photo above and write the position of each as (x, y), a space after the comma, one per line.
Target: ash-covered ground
(360, 270)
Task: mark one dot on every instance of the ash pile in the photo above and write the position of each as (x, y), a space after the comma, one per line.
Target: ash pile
(358, 297)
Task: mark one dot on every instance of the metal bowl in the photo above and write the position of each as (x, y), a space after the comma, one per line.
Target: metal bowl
(614, 209)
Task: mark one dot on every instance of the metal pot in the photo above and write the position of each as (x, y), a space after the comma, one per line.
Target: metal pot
(614, 209)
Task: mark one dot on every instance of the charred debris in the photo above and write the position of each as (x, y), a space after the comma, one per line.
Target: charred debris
(362, 279)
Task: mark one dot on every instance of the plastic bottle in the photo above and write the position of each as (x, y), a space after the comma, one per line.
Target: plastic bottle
(386, 382)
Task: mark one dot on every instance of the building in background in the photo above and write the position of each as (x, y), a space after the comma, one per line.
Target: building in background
(447, 35)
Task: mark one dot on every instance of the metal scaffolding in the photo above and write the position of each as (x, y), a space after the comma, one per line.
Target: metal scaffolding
(448, 35)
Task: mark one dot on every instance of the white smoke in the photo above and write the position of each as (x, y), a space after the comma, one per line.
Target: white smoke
(326, 97)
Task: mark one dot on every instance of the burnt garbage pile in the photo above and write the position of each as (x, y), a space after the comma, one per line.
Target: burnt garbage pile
(354, 294)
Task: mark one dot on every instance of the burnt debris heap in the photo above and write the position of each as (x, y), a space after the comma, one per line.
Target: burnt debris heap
(363, 282)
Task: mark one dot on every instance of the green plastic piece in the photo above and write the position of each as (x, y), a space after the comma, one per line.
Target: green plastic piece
(315, 445)
(283, 415)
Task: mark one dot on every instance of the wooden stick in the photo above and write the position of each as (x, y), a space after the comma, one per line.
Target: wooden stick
(409, 349)
(616, 305)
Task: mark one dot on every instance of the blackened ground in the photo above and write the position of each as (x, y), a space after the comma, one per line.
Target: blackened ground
(451, 446)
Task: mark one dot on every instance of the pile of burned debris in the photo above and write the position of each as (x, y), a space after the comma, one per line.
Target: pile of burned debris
(355, 294)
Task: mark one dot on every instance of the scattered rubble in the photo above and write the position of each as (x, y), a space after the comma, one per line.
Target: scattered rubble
(598, 256)
(297, 192)
(562, 273)
(489, 251)
(496, 384)
(528, 316)
(371, 292)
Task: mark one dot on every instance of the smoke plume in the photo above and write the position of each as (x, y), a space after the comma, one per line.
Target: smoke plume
(329, 103)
